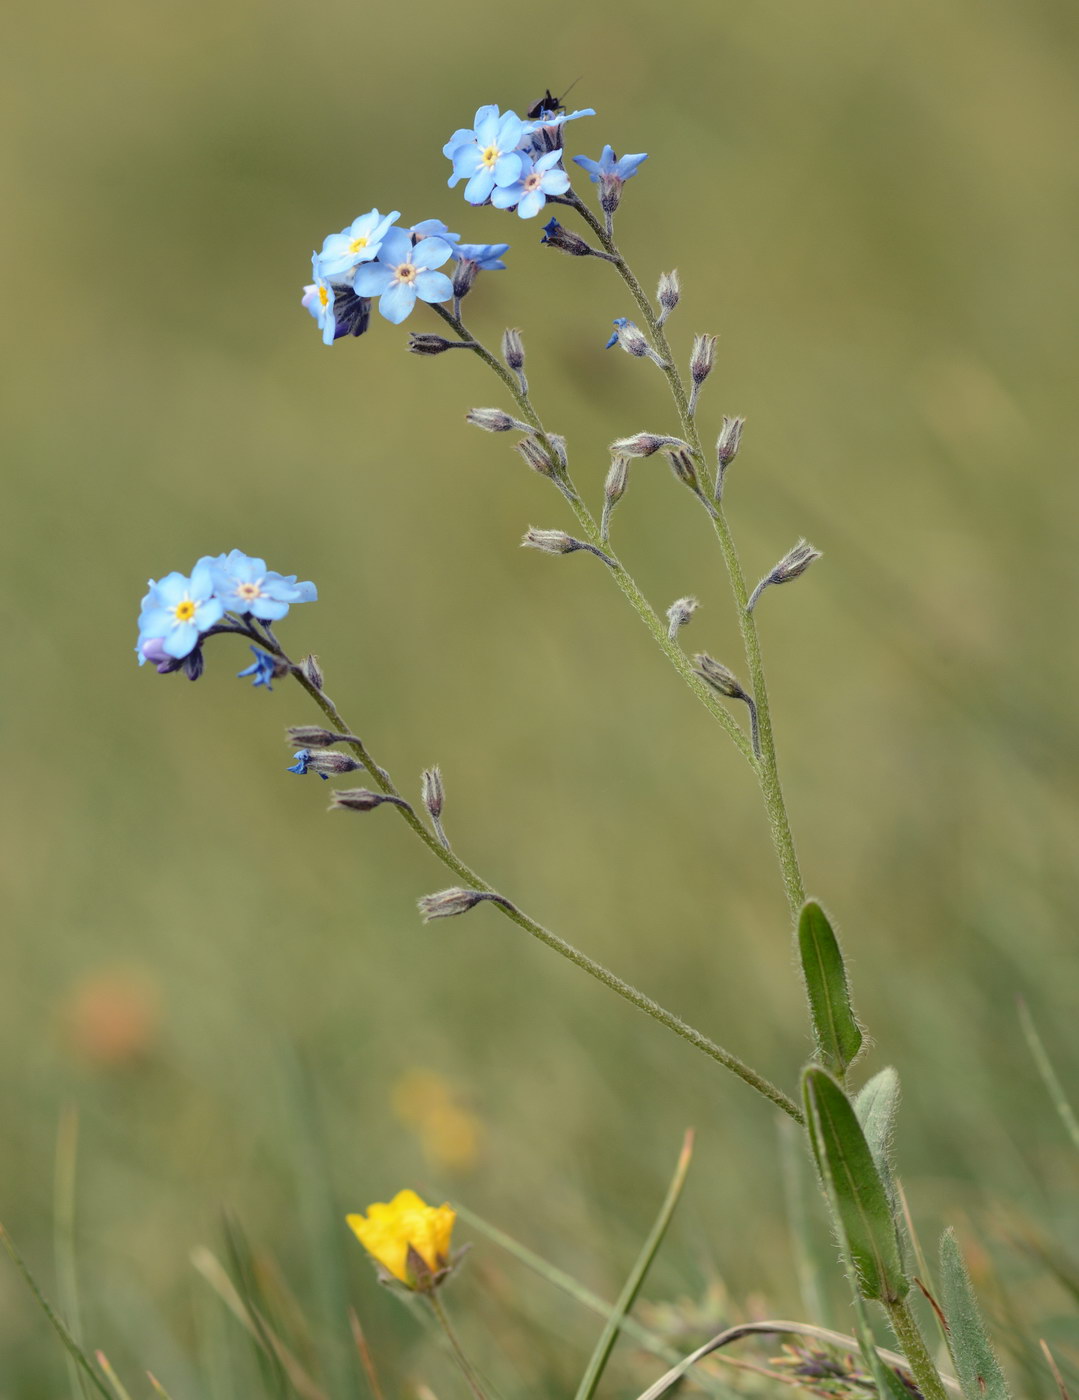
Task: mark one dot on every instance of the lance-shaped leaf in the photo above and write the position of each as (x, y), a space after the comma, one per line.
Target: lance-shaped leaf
(876, 1106)
(979, 1371)
(860, 1205)
(835, 1028)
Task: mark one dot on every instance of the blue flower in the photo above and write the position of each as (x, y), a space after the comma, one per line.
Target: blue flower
(486, 256)
(302, 756)
(434, 228)
(262, 669)
(610, 166)
(343, 252)
(530, 192)
(245, 585)
(404, 272)
(319, 300)
(545, 133)
(176, 612)
(619, 322)
(487, 156)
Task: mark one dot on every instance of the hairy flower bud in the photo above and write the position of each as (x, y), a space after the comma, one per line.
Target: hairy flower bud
(362, 800)
(327, 761)
(312, 736)
(464, 275)
(536, 455)
(703, 358)
(513, 350)
(446, 903)
(729, 440)
(789, 567)
(679, 613)
(551, 541)
(669, 293)
(720, 678)
(312, 671)
(682, 465)
(494, 420)
(557, 236)
(644, 445)
(428, 344)
(432, 791)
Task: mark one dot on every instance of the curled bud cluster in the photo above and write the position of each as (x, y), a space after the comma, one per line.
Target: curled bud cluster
(679, 614)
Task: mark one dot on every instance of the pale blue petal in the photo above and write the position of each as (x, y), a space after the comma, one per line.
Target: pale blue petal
(372, 279)
(530, 204)
(479, 187)
(430, 252)
(433, 286)
(396, 304)
(487, 124)
(507, 197)
(180, 640)
(396, 247)
(172, 589)
(509, 167)
(545, 162)
(461, 137)
(555, 182)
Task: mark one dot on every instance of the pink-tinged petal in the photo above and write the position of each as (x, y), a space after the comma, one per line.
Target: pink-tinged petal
(396, 304)
(430, 252)
(433, 286)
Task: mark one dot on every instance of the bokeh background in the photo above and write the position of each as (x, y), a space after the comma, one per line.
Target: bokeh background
(229, 991)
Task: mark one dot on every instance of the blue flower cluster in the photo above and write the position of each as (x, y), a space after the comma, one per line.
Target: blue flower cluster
(508, 161)
(373, 257)
(511, 162)
(180, 610)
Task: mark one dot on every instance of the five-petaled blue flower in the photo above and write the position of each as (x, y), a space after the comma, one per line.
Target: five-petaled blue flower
(245, 585)
(404, 272)
(610, 166)
(176, 612)
(261, 669)
(530, 192)
(319, 300)
(302, 756)
(343, 252)
(486, 256)
(487, 156)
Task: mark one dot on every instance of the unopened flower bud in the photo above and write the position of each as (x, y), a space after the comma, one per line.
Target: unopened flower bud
(464, 274)
(644, 445)
(669, 293)
(729, 440)
(614, 488)
(633, 340)
(432, 791)
(312, 736)
(610, 192)
(789, 567)
(682, 465)
(551, 541)
(513, 350)
(558, 542)
(536, 455)
(560, 237)
(715, 674)
(423, 343)
(703, 358)
(362, 800)
(328, 761)
(494, 420)
(679, 613)
(558, 443)
(312, 671)
(446, 903)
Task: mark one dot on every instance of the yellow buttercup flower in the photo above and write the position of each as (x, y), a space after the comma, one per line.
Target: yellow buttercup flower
(389, 1230)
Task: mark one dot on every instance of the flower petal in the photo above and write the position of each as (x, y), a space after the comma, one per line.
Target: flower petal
(433, 286)
(398, 302)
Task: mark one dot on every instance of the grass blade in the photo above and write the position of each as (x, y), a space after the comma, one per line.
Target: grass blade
(113, 1379)
(835, 1027)
(632, 1287)
(63, 1211)
(59, 1326)
(1049, 1076)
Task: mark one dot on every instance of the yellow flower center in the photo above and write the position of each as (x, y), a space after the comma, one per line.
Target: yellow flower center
(533, 181)
(248, 590)
(324, 296)
(185, 611)
(357, 245)
(490, 156)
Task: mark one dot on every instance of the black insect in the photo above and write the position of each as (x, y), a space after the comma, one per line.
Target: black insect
(548, 104)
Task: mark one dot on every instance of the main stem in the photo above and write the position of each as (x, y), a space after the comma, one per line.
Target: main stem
(459, 1356)
(472, 881)
(767, 766)
(914, 1349)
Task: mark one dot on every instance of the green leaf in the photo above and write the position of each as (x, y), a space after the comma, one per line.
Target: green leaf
(860, 1205)
(837, 1032)
(601, 1355)
(978, 1370)
(1049, 1075)
(876, 1106)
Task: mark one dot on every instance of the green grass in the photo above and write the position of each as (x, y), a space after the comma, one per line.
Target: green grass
(874, 207)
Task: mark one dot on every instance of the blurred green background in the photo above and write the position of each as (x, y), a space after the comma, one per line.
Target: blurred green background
(875, 207)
